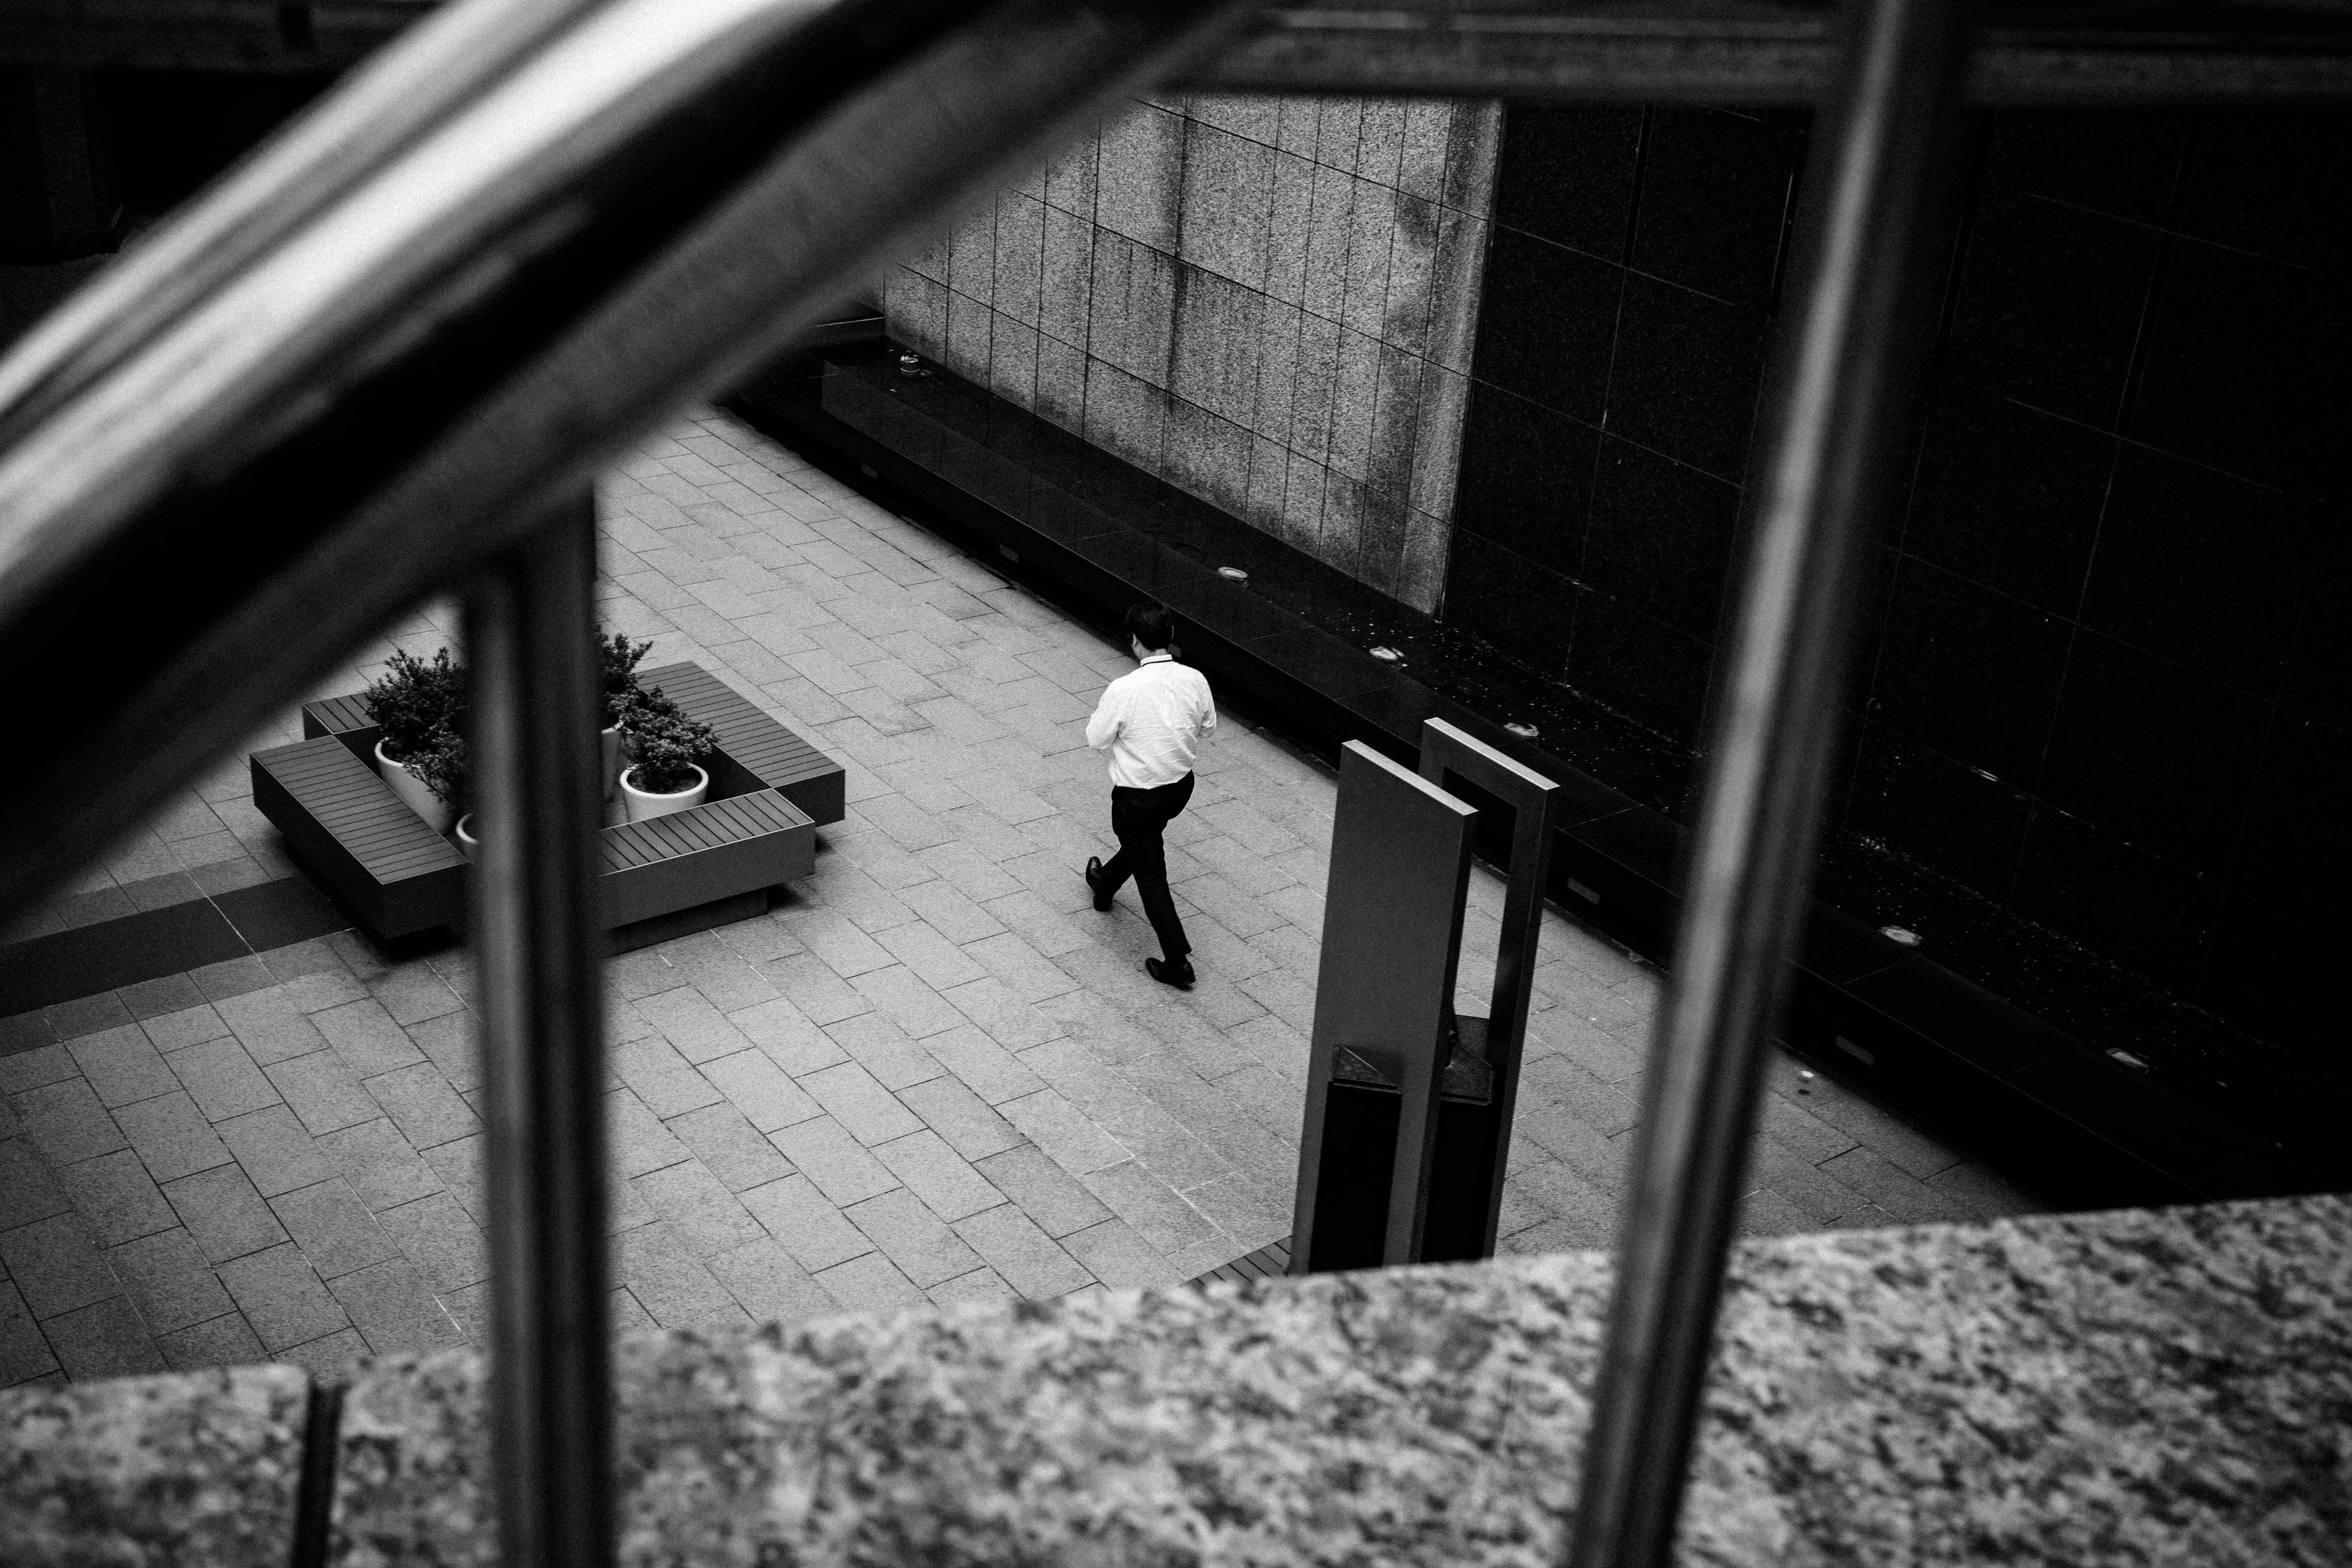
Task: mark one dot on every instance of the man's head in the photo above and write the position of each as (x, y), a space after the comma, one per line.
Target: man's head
(1151, 625)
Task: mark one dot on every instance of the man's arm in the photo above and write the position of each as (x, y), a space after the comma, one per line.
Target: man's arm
(1109, 715)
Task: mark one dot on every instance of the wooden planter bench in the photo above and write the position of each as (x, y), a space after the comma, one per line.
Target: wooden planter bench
(717, 862)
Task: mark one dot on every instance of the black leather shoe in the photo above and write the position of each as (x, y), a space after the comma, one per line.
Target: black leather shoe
(1179, 974)
(1094, 880)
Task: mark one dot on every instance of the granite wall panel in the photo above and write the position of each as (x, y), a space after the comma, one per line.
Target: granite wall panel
(1269, 302)
(2105, 684)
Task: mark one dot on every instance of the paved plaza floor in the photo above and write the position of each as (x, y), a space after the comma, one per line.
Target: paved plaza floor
(932, 1074)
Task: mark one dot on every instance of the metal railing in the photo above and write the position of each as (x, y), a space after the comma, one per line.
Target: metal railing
(389, 356)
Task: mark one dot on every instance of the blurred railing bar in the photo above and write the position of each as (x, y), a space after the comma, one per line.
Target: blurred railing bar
(445, 62)
(1736, 51)
(538, 965)
(1704, 51)
(1842, 378)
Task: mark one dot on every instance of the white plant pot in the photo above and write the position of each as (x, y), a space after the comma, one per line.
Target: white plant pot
(467, 845)
(413, 792)
(644, 805)
(612, 760)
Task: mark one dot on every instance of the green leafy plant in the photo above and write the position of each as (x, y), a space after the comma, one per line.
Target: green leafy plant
(412, 697)
(668, 746)
(440, 765)
(620, 658)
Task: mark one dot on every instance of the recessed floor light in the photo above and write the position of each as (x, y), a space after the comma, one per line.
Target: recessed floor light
(1232, 574)
(1387, 654)
(1524, 732)
(1899, 936)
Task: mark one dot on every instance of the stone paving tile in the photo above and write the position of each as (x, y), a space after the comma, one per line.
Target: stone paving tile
(394, 1311)
(222, 1079)
(858, 1102)
(32, 1068)
(769, 1284)
(423, 1106)
(29, 1186)
(731, 1146)
(332, 1227)
(1045, 1191)
(222, 1213)
(270, 1025)
(668, 1276)
(962, 1118)
(283, 1297)
(277, 1150)
(329, 1357)
(986, 1067)
(941, 1178)
(806, 1223)
(450, 1041)
(105, 1339)
(123, 1066)
(324, 1093)
(57, 1265)
(933, 1036)
(1118, 1257)
(786, 1034)
(701, 1212)
(224, 1340)
(871, 1284)
(185, 1026)
(883, 1049)
(383, 1168)
(665, 1080)
(170, 1280)
(438, 1237)
(914, 1238)
(1023, 1255)
(840, 1165)
(67, 1123)
(117, 1197)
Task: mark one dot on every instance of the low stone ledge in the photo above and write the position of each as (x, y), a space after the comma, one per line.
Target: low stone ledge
(199, 1468)
(2124, 1388)
(2117, 1389)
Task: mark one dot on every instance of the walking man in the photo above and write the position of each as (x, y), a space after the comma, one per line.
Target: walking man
(1149, 721)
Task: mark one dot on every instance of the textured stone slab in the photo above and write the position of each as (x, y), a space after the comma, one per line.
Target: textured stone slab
(2121, 1388)
(200, 1468)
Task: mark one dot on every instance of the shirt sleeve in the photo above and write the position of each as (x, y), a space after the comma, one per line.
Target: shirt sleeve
(1104, 727)
(1207, 727)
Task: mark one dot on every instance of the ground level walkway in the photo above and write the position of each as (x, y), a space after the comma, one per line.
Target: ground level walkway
(932, 1074)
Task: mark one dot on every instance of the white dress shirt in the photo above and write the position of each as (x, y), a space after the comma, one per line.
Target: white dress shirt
(1151, 721)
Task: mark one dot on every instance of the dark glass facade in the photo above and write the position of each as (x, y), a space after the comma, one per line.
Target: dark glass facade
(2101, 699)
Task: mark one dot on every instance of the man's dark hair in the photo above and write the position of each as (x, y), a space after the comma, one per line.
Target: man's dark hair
(1152, 623)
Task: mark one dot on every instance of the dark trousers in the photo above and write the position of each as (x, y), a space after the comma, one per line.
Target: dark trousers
(1139, 817)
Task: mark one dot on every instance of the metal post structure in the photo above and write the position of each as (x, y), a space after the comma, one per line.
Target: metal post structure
(539, 954)
(1383, 999)
(1534, 802)
(1839, 412)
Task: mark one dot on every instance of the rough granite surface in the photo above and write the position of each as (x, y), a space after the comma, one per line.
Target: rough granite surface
(2134, 1388)
(200, 1468)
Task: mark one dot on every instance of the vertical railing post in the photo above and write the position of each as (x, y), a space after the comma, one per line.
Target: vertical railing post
(1837, 417)
(538, 946)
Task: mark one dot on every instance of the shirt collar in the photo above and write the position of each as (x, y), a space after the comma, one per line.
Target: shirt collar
(1162, 657)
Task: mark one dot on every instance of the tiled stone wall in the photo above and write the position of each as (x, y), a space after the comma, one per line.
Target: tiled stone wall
(1268, 302)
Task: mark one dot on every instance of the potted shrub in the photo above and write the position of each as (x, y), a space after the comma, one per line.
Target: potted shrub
(620, 658)
(669, 747)
(416, 702)
(440, 766)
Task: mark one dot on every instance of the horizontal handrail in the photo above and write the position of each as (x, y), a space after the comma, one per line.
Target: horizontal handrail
(631, 213)
(1709, 51)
